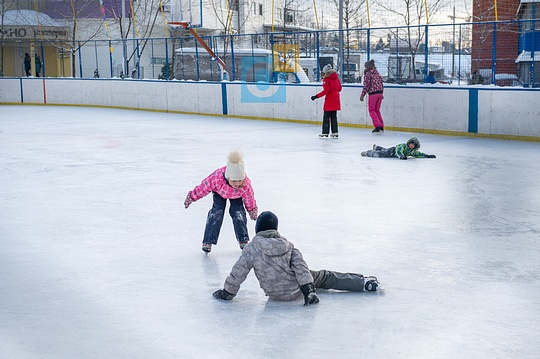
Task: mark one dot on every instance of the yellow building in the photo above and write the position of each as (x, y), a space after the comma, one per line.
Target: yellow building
(36, 34)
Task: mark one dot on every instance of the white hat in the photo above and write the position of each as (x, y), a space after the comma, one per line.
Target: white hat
(235, 167)
(327, 68)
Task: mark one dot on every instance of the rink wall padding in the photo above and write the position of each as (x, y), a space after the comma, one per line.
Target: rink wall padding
(476, 110)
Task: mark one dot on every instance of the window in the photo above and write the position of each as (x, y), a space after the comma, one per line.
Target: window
(260, 9)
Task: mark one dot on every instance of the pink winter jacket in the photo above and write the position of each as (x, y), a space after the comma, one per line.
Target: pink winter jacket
(278, 265)
(216, 182)
(373, 82)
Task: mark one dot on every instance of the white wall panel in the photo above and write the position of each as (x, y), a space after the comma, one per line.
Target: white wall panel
(501, 111)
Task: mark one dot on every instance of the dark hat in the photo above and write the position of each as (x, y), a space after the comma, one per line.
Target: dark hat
(266, 220)
(369, 64)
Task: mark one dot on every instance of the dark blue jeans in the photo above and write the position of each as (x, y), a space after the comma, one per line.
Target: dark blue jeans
(215, 219)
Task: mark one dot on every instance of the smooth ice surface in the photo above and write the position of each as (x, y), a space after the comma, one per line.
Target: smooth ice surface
(99, 258)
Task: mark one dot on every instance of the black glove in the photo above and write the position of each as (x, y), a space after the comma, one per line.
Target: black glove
(402, 157)
(431, 156)
(310, 297)
(223, 294)
(313, 98)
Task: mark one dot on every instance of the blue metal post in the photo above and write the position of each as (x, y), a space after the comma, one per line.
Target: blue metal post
(166, 60)
(233, 72)
(459, 56)
(80, 59)
(533, 47)
(138, 61)
(317, 45)
(42, 60)
(111, 59)
(494, 54)
(368, 44)
(153, 59)
(426, 55)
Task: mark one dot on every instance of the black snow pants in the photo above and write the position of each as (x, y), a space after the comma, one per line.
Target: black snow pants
(329, 120)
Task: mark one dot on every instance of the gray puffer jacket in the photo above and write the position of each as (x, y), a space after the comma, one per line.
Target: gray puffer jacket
(278, 266)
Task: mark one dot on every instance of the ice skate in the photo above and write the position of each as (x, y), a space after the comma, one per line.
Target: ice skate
(335, 135)
(322, 135)
(207, 247)
(371, 284)
(374, 147)
(364, 153)
(376, 130)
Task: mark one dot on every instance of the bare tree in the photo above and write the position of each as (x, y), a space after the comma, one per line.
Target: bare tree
(141, 18)
(71, 12)
(231, 17)
(354, 13)
(413, 15)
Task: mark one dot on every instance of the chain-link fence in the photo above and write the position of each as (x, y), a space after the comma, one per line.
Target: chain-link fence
(499, 53)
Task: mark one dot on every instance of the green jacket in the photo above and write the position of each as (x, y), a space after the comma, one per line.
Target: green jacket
(403, 150)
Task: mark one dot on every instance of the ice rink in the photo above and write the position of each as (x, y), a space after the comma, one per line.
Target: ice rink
(99, 258)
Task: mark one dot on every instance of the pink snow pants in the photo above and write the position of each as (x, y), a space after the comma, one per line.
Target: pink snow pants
(374, 106)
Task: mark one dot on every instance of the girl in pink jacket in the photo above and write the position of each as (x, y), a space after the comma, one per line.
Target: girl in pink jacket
(373, 86)
(226, 183)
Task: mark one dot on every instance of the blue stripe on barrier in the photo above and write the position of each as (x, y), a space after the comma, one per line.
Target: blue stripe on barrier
(22, 93)
(224, 98)
(473, 110)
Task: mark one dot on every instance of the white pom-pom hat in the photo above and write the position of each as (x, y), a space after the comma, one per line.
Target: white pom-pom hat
(235, 166)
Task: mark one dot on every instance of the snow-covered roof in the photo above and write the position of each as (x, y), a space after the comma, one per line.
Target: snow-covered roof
(201, 51)
(28, 18)
(526, 56)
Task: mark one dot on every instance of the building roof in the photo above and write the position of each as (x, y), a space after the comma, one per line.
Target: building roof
(29, 18)
(526, 56)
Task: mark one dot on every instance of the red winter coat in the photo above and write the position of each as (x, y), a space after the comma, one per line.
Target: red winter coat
(331, 89)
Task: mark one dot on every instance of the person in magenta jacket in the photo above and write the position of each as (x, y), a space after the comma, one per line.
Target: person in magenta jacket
(229, 182)
(373, 86)
(332, 104)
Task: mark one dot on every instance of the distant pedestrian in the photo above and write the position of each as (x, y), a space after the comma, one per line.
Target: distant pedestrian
(477, 78)
(430, 78)
(229, 182)
(27, 64)
(373, 86)
(401, 151)
(38, 65)
(332, 104)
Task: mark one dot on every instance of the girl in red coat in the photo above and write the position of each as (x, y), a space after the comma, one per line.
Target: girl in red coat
(332, 104)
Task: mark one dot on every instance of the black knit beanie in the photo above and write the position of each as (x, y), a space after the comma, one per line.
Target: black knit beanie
(266, 220)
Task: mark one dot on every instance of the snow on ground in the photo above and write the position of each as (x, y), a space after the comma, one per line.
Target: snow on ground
(99, 259)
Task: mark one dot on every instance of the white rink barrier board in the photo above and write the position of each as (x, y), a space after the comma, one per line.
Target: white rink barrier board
(485, 110)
